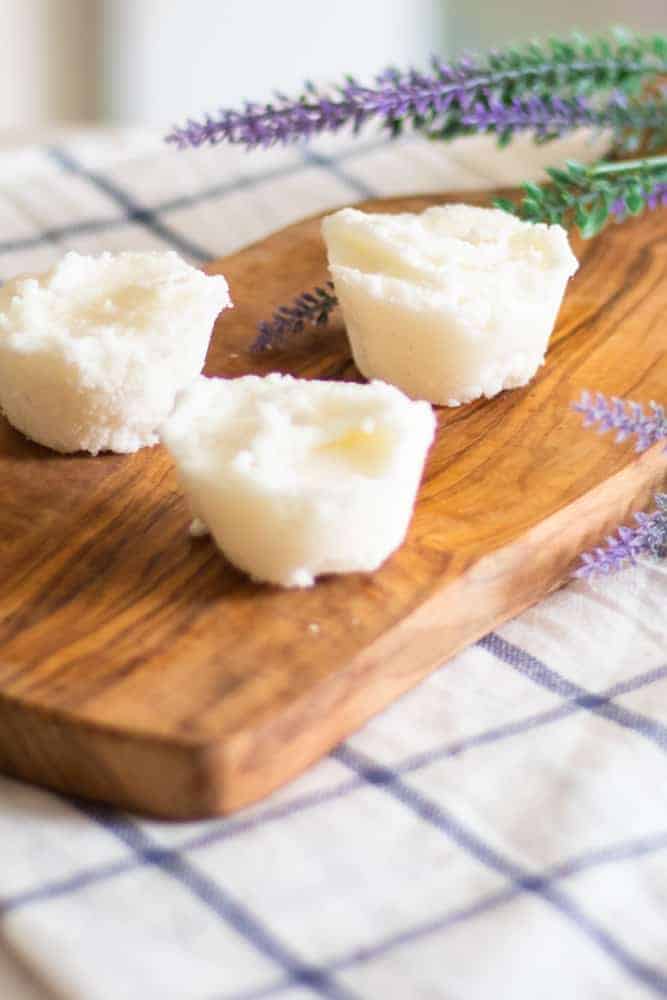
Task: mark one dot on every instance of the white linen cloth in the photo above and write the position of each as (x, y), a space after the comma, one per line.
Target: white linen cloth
(501, 831)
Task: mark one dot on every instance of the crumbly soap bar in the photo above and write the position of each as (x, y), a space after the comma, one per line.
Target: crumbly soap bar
(455, 303)
(93, 353)
(297, 478)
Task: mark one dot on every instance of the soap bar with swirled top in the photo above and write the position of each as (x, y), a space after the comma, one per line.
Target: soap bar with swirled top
(451, 304)
(94, 352)
(296, 478)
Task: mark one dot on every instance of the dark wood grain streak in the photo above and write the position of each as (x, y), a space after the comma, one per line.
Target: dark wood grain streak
(139, 668)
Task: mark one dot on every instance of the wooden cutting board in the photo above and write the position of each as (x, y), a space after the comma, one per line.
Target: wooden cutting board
(138, 668)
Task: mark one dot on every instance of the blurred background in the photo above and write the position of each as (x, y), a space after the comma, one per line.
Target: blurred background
(156, 61)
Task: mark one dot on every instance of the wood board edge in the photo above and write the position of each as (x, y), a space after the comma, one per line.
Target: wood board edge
(212, 776)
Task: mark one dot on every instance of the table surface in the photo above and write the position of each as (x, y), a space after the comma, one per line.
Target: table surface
(500, 831)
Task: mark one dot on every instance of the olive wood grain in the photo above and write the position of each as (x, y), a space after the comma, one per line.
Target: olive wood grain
(138, 668)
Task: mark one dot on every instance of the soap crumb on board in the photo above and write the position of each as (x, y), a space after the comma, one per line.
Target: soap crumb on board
(197, 528)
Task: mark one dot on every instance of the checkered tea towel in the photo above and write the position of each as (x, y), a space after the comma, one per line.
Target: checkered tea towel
(500, 832)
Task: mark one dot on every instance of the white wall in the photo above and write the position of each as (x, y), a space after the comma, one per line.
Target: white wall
(47, 60)
(482, 24)
(158, 61)
(166, 59)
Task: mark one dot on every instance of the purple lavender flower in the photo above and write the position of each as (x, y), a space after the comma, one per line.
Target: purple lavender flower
(619, 208)
(285, 120)
(552, 116)
(625, 417)
(653, 197)
(436, 101)
(310, 307)
(658, 196)
(548, 115)
(649, 537)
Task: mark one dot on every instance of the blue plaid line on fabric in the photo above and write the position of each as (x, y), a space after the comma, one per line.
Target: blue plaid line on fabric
(333, 166)
(452, 918)
(220, 902)
(234, 827)
(133, 212)
(368, 771)
(547, 678)
(66, 162)
(521, 879)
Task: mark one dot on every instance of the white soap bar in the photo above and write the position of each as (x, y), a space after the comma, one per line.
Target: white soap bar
(93, 353)
(297, 478)
(452, 304)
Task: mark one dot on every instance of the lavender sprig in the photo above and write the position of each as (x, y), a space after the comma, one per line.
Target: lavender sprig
(626, 418)
(590, 196)
(550, 117)
(310, 307)
(649, 537)
(439, 100)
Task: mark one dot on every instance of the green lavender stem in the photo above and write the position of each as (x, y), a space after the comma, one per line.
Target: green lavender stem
(623, 166)
(589, 197)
